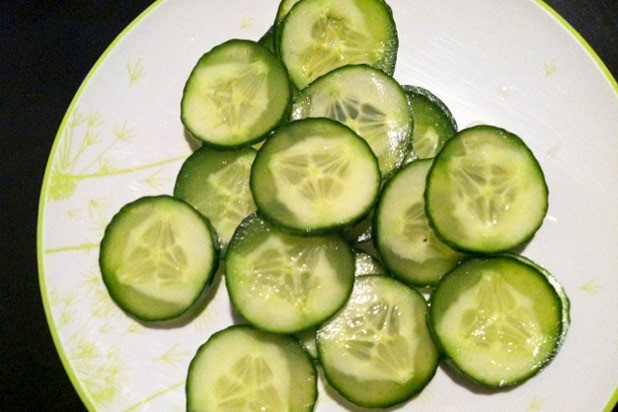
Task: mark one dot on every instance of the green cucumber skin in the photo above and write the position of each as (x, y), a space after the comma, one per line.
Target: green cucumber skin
(279, 16)
(396, 402)
(280, 13)
(564, 298)
(335, 229)
(284, 117)
(312, 231)
(453, 244)
(408, 89)
(217, 334)
(209, 278)
(240, 312)
(454, 366)
(268, 40)
(389, 68)
(410, 92)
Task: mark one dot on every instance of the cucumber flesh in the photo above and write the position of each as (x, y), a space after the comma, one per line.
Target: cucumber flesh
(216, 183)
(246, 370)
(433, 122)
(406, 242)
(318, 36)
(367, 101)
(157, 256)
(284, 8)
(314, 176)
(377, 351)
(498, 319)
(367, 265)
(285, 283)
(485, 192)
(235, 95)
(564, 298)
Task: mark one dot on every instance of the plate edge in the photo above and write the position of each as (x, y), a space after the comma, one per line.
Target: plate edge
(44, 186)
(42, 284)
(613, 400)
(590, 51)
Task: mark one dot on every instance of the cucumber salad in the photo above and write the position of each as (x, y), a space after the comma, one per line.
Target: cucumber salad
(360, 233)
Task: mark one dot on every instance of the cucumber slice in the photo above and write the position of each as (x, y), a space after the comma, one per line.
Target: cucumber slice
(498, 319)
(377, 351)
(314, 176)
(157, 256)
(246, 370)
(564, 299)
(268, 40)
(285, 283)
(433, 122)
(318, 36)
(235, 95)
(367, 101)
(307, 339)
(405, 241)
(284, 8)
(367, 265)
(216, 183)
(485, 191)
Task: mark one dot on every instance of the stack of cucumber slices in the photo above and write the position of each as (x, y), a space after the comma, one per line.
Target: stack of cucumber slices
(329, 193)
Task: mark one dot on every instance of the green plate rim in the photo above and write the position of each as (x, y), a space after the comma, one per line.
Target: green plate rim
(46, 177)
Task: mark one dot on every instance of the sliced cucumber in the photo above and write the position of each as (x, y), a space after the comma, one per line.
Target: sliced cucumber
(367, 101)
(498, 319)
(433, 122)
(564, 299)
(157, 256)
(268, 40)
(367, 265)
(485, 191)
(405, 241)
(284, 8)
(284, 283)
(235, 95)
(377, 351)
(314, 176)
(216, 183)
(318, 36)
(246, 370)
(307, 339)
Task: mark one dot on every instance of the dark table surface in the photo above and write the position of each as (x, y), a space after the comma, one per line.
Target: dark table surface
(46, 50)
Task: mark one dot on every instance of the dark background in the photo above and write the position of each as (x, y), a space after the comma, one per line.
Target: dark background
(46, 50)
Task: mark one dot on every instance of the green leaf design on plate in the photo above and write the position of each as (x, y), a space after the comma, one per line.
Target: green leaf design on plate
(536, 404)
(97, 366)
(173, 356)
(155, 180)
(247, 22)
(550, 68)
(591, 287)
(80, 154)
(136, 71)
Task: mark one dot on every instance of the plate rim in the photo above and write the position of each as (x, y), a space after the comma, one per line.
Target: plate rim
(76, 383)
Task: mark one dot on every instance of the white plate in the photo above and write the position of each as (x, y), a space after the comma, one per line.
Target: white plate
(511, 63)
